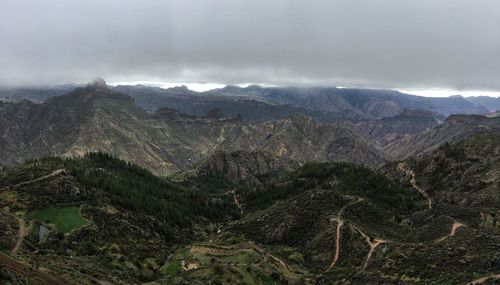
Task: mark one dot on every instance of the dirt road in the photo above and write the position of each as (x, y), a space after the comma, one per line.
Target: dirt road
(54, 173)
(483, 279)
(373, 243)
(340, 222)
(454, 228)
(413, 181)
(453, 231)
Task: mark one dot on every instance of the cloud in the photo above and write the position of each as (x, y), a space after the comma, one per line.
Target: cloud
(451, 44)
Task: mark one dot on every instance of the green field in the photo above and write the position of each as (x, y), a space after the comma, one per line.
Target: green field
(65, 219)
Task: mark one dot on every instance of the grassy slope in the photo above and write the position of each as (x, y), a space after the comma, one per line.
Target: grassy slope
(65, 219)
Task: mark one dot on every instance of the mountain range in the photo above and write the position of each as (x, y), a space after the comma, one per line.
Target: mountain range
(96, 118)
(141, 185)
(257, 104)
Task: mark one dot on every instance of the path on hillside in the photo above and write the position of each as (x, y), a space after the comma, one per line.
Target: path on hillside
(236, 201)
(483, 279)
(21, 234)
(28, 271)
(454, 228)
(54, 173)
(404, 167)
(373, 243)
(453, 231)
(340, 222)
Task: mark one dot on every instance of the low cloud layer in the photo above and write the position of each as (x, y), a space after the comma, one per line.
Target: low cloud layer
(452, 44)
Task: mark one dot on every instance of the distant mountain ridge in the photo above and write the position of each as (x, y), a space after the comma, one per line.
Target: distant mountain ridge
(490, 103)
(258, 104)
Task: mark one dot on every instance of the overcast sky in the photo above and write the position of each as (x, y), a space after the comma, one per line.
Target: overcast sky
(401, 44)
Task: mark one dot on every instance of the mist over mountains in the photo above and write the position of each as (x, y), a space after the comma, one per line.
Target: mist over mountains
(282, 142)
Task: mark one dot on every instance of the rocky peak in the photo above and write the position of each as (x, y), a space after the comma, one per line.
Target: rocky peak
(98, 83)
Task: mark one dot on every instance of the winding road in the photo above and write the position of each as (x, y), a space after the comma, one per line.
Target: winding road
(340, 222)
(407, 169)
(454, 228)
(54, 173)
(373, 243)
(453, 231)
(483, 279)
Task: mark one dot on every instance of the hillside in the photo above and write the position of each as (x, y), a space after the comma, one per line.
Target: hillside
(232, 168)
(95, 219)
(454, 128)
(338, 223)
(426, 220)
(465, 173)
(402, 125)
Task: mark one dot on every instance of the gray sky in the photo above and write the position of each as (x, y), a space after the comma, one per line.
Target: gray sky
(406, 44)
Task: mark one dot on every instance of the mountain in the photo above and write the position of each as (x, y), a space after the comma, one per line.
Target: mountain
(34, 94)
(258, 104)
(404, 124)
(490, 103)
(94, 117)
(302, 139)
(195, 104)
(364, 103)
(455, 128)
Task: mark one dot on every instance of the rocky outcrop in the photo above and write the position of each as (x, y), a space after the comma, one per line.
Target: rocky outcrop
(248, 166)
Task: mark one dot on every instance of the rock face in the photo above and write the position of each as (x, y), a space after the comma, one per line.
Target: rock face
(302, 139)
